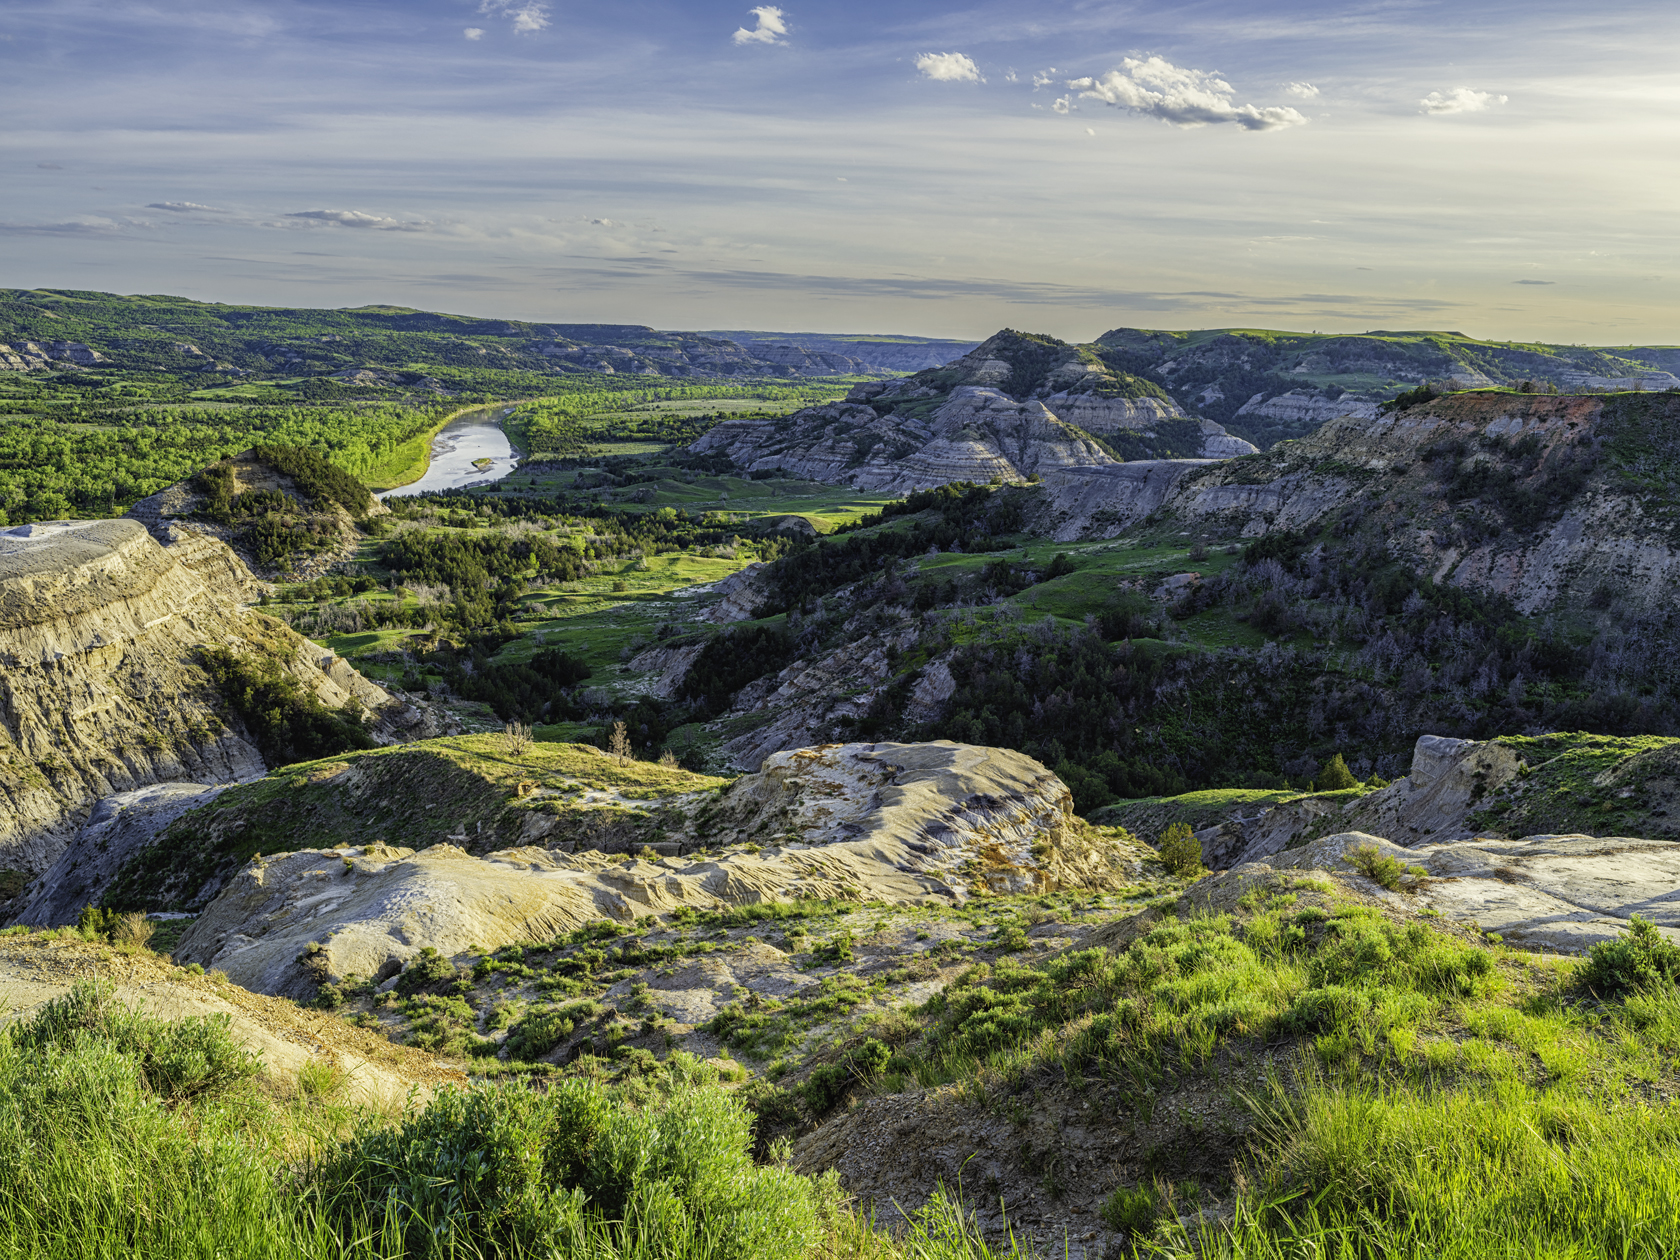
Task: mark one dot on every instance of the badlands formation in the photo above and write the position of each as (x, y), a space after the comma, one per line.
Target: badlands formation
(1014, 409)
(895, 823)
(101, 630)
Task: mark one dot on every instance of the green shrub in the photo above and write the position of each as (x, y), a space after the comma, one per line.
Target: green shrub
(537, 1034)
(825, 1087)
(1335, 777)
(1641, 958)
(870, 1059)
(1390, 872)
(1179, 850)
(1131, 1211)
(180, 1060)
(288, 721)
(427, 972)
(504, 1171)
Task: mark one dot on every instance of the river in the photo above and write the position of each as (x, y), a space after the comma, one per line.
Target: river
(475, 436)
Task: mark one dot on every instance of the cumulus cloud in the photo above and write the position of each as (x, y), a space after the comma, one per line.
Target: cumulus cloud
(1460, 100)
(527, 16)
(1186, 98)
(1062, 104)
(1044, 78)
(184, 207)
(474, 32)
(771, 27)
(949, 67)
(1302, 91)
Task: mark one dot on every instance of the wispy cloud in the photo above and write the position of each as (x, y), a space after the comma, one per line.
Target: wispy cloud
(354, 219)
(1183, 97)
(1460, 100)
(473, 32)
(1302, 91)
(951, 67)
(1534, 282)
(527, 16)
(770, 27)
(184, 207)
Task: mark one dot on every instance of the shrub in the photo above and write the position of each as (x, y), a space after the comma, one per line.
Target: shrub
(288, 721)
(427, 972)
(187, 1059)
(1390, 872)
(1179, 850)
(1335, 776)
(825, 1087)
(1131, 1211)
(538, 1033)
(1641, 958)
(503, 1171)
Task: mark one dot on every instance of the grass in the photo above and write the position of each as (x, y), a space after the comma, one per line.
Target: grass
(101, 1155)
(1591, 784)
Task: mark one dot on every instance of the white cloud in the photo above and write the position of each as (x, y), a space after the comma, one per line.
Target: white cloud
(474, 32)
(949, 68)
(771, 27)
(1302, 91)
(1062, 104)
(355, 219)
(527, 16)
(1044, 78)
(1461, 100)
(1090, 131)
(183, 207)
(1186, 98)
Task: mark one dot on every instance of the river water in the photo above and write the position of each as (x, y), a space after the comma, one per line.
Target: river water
(475, 436)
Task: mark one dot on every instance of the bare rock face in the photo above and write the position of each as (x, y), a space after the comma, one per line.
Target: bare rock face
(1101, 501)
(118, 828)
(1306, 408)
(1561, 894)
(1431, 805)
(100, 687)
(894, 822)
(1015, 408)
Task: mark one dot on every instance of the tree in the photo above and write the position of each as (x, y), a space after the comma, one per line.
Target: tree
(1180, 851)
(1335, 776)
(618, 746)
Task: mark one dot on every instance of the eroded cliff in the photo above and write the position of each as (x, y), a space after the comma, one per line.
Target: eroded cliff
(101, 686)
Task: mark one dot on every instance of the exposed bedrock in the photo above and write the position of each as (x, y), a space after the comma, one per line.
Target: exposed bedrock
(892, 822)
(101, 690)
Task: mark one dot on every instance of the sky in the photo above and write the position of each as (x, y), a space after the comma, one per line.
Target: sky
(1507, 170)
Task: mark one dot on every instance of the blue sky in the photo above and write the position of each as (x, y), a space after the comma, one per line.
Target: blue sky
(1504, 169)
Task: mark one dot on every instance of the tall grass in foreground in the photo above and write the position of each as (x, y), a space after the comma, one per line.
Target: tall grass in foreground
(126, 1136)
(1457, 1176)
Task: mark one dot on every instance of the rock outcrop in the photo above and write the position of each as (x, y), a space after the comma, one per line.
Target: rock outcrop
(118, 827)
(891, 822)
(1558, 894)
(1531, 497)
(1013, 409)
(101, 690)
(1433, 804)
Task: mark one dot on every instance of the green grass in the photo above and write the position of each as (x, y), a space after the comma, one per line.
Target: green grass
(1589, 784)
(104, 1155)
